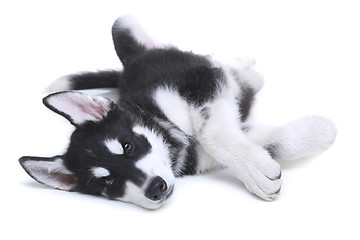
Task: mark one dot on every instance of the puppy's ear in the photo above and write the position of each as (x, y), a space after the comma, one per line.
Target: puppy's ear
(50, 172)
(78, 107)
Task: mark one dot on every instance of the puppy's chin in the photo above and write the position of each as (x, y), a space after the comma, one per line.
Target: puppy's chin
(145, 203)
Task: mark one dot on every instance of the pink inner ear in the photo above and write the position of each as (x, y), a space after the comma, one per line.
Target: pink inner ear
(52, 173)
(95, 109)
(65, 179)
(62, 179)
(80, 107)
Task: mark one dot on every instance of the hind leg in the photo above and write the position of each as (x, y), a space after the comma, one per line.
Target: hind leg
(298, 139)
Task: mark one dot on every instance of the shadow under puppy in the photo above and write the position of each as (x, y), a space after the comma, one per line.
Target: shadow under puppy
(179, 114)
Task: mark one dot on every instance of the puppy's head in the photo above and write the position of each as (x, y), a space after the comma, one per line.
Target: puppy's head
(110, 154)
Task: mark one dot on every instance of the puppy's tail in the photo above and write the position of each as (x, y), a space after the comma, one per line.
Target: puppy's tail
(130, 40)
(298, 139)
(86, 80)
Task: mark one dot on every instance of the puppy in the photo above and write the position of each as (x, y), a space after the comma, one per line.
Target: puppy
(179, 114)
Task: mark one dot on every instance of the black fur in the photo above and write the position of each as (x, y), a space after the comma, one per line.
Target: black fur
(191, 75)
(245, 102)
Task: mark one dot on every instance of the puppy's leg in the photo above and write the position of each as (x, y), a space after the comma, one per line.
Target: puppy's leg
(130, 39)
(298, 139)
(222, 138)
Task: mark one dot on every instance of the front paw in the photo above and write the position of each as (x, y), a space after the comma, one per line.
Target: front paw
(262, 177)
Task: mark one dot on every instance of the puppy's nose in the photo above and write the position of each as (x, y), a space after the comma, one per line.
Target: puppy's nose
(157, 189)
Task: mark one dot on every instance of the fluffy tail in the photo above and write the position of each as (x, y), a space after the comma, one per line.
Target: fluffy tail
(129, 40)
(86, 80)
(298, 139)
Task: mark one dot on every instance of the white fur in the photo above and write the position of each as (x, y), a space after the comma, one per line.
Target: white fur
(100, 172)
(157, 161)
(60, 84)
(135, 195)
(114, 146)
(175, 108)
(303, 138)
(205, 161)
(44, 172)
(222, 142)
(298, 139)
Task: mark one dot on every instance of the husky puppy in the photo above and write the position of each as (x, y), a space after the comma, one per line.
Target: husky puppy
(179, 114)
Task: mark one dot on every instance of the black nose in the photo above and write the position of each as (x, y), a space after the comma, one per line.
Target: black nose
(157, 189)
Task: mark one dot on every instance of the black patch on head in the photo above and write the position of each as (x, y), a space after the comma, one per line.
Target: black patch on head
(87, 150)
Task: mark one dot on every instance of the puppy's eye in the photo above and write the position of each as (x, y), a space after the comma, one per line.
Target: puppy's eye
(128, 147)
(109, 180)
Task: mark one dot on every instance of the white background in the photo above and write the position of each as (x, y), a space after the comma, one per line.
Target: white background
(309, 53)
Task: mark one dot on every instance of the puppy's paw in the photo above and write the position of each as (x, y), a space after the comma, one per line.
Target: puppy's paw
(262, 177)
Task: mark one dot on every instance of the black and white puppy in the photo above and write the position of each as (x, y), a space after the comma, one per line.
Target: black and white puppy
(179, 114)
